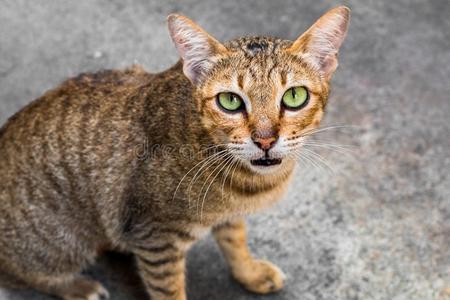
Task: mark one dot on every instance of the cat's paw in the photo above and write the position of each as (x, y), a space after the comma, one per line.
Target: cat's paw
(262, 277)
(83, 289)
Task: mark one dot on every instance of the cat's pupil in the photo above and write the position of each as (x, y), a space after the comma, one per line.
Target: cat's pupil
(293, 93)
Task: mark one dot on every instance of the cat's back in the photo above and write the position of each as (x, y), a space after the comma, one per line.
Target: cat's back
(77, 101)
(73, 138)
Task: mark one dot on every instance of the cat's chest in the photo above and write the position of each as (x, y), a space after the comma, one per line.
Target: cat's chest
(250, 203)
(222, 205)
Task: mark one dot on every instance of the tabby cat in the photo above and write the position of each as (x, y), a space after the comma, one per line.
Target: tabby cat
(148, 163)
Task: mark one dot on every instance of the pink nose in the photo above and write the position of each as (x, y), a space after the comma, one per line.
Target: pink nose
(265, 143)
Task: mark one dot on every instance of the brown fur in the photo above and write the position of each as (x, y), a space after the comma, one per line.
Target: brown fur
(115, 160)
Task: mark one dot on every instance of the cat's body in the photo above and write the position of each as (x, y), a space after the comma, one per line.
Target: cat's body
(96, 163)
(127, 160)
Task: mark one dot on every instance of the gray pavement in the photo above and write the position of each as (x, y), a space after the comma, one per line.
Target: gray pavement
(376, 226)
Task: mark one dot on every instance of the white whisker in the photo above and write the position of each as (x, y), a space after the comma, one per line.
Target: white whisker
(202, 161)
(320, 159)
(218, 159)
(234, 170)
(335, 148)
(308, 159)
(224, 163)
(229, 168)
(211, 147)
(322, 129)
(212, 159)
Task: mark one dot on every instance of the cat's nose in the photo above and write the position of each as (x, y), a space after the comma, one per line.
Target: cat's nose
(265, 143)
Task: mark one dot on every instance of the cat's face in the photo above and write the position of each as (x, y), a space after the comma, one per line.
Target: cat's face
(259, 97)
(259, 100)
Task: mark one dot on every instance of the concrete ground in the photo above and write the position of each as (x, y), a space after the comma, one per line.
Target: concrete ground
(377, 227)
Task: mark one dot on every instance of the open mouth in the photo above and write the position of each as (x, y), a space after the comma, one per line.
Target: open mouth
(266, 162)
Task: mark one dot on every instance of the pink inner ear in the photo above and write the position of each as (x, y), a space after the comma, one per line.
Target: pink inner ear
(195, 46)
(329, 65)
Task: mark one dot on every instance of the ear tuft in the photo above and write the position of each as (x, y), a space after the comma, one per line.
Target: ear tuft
(196, 47)
(321, 42)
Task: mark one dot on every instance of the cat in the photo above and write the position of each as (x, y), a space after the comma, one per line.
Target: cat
(77, 176)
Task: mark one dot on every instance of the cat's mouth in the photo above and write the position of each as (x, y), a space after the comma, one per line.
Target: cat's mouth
(266, 162)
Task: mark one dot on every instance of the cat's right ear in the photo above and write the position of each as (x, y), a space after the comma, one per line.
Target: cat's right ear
(198, 50)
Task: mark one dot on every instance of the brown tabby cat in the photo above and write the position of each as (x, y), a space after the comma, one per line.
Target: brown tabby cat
(101, 163)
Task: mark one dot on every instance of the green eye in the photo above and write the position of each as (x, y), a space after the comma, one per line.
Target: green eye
(229, 101)
(295, 98)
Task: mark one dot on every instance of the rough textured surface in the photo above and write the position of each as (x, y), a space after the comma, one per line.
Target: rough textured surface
(378, 227)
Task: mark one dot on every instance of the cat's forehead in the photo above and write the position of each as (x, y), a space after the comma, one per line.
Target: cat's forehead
(258, 45)
(258, 66)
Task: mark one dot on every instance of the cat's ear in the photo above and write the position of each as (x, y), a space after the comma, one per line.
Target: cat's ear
(320, 44)
(196, 47)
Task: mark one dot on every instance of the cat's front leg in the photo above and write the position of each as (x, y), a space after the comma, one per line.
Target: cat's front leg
(161, 266)
(258, 276)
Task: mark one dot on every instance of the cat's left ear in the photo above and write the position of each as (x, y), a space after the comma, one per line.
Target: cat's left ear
(196, 47)
(320, 44)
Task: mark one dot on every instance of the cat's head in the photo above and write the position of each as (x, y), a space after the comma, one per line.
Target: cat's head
(260, 96)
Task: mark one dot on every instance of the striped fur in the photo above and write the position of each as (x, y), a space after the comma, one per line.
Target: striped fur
(147, 163)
